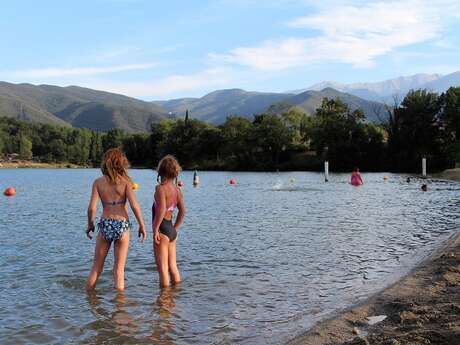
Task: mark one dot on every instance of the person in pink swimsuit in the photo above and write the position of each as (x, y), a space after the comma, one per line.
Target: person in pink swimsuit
(167, 198)
(356, 179)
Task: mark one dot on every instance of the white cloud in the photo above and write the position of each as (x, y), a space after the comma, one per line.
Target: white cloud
(168, 86)
(57, 72)
(349, 34)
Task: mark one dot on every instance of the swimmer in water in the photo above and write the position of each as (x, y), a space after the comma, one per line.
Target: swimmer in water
(424, 188)
(167, 197)
(356, 179)
(114, 188)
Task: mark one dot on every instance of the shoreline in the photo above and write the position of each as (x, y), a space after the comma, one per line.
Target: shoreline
(449, 174)
(423, 307)
(39, 165)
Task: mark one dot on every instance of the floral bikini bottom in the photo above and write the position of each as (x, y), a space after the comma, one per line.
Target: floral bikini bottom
(113, 229)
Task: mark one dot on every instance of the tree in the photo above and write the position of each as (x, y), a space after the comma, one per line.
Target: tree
(295, 120)
(271, 137)
(414, 132)
(137, 148)
(237, 148)
(450, 117)
(113, 138)
(25, 147)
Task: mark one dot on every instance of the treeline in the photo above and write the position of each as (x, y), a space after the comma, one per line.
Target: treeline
(423, 124)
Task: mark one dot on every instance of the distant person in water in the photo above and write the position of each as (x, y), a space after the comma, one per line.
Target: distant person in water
(424, 188)
(114, 188)
(356, 179)
(167, 197)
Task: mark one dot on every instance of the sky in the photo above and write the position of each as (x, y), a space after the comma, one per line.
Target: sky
(156, 50)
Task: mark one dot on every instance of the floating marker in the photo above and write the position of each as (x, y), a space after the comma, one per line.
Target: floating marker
(326, 171)
(196, 179)
(135, 186)
(232, 181)
(423, 167)
(180, 183)
(10, 191)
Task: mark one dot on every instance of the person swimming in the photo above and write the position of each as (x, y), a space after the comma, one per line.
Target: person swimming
(167, 198)
(356, 179)
(114, 189)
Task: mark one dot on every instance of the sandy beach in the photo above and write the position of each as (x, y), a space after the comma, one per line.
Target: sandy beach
(32, 164)
(422, 308)
(450, 174)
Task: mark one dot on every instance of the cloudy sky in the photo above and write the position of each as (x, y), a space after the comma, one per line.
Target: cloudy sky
(167, 49)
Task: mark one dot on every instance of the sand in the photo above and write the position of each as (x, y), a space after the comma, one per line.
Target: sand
(32, 164)
(450, 174)
(422, 308)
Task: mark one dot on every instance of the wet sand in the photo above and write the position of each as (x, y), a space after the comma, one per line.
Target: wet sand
(422, 308)
(450, 174)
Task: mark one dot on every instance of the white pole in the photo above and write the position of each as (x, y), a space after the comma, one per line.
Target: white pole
(326, 171)
(423, 167)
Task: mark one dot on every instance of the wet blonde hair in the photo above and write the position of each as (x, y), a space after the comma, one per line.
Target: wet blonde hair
(168, 168)
(115, 165)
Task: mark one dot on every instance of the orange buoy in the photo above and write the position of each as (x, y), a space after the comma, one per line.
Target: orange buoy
(135, 186)
(232, 181)
(180, 183)
(10, 191)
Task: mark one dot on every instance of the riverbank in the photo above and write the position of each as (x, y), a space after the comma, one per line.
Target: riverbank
(38, 165)
(422, 308)
(450, 174)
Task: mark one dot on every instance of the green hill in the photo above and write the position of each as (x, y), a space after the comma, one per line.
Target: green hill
(216, 106)
(77, 106)
(309, 101)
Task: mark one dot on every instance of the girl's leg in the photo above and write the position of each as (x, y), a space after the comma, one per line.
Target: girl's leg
(102, 248)
(161, 257)
(173, 270)
(120, 253)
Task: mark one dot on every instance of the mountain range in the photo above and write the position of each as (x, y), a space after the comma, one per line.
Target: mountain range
(216, 106)
(385, 91)
(309, 101)
(78, 107)
(100, 110)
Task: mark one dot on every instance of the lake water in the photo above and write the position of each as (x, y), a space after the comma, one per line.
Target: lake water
(261, 261)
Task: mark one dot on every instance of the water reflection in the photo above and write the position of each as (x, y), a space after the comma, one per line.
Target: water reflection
(113, 318)
(163, 326)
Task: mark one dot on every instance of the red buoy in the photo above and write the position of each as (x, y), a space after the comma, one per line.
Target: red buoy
(10, 191)
(180, 183)
(232, 181)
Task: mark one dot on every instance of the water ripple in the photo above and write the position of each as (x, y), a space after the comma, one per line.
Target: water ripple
(261, 261)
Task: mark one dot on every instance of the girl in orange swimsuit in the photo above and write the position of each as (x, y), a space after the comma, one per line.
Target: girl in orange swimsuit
(167, 197)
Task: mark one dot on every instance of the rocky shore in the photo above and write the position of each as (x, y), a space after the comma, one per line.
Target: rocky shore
(422, 308)
(33, 164)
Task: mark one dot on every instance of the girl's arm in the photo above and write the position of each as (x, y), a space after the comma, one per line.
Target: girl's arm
(181, 213)
(92, 210)
(136, 210)
(160, 211)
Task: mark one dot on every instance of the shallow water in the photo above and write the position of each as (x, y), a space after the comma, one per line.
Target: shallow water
(261, 261)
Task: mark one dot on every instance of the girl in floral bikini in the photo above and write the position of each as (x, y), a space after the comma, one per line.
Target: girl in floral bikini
(114, 188)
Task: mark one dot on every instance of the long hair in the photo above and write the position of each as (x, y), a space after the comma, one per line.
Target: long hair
(115, 165)
(168, 168)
